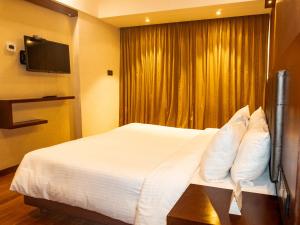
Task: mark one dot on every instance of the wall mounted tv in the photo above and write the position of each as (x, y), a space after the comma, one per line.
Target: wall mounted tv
(41, 55)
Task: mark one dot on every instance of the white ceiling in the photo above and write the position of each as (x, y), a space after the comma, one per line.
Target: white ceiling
(124, 13)
(111, 8)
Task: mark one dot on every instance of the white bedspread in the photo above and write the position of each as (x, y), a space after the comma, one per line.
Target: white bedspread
(134, 173)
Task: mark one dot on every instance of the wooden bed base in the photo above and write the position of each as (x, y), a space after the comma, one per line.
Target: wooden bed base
(71, 211)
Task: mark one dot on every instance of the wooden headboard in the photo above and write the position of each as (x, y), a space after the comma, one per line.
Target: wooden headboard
(275, 107)
(275, 102)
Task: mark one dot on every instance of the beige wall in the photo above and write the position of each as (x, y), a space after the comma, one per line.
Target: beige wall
(18, 18)
(98, 51)
(94, 48)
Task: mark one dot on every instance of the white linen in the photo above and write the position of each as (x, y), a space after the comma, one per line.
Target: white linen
(256, 116)
(242, 113)
(117, 173)
(253, 154)
(221, 152)
(261, 185)
(167, 183)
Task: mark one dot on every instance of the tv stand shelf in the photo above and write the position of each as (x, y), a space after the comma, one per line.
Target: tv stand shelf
(28, 123)
(6, 113)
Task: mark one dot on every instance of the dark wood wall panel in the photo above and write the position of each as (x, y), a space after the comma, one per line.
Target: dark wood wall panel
(57, 7)
(285, 54)
(290, 154)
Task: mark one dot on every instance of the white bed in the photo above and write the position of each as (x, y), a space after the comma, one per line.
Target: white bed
(134, 173)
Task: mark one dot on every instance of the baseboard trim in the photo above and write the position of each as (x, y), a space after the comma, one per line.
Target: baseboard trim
(8, 170)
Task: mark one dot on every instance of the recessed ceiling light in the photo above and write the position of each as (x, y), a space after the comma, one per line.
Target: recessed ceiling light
(219, 12)
(270, 2)
(147, 20)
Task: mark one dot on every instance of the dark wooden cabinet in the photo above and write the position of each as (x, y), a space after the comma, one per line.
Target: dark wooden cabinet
(6, 112)
(202, 205)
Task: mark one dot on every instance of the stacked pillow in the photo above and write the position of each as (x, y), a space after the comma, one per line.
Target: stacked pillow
(254, 152)
(244, 149)
(221, 152)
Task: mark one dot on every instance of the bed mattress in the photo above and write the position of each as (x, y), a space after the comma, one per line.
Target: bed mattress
(134, 173)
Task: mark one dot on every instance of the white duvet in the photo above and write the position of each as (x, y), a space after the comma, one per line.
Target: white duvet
(134, 173)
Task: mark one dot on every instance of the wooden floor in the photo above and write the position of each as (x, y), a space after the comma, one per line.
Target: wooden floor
(14, 212)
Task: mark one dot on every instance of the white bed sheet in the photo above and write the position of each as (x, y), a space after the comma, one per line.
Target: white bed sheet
(134, 173)
(261, 185)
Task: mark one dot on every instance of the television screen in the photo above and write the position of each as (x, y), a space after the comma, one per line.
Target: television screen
(46, 56)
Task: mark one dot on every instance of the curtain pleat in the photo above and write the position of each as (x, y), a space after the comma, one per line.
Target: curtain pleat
(193, 74)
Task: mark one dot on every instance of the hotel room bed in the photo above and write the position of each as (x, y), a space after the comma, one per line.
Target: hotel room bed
(134, 174)
(127, 173)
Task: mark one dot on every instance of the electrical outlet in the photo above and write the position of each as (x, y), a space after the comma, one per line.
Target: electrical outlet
(110, 72)
(11, 47)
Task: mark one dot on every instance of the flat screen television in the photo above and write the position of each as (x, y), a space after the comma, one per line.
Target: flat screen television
(46, 56)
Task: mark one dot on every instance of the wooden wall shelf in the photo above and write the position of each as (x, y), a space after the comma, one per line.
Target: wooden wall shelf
(43, 99)
(6, 112)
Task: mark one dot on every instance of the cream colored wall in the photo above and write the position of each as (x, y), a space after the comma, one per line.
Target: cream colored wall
(94, 48)
(99, 51)
(18, 18)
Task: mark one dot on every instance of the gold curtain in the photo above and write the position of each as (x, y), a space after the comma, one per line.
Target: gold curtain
(193, 74)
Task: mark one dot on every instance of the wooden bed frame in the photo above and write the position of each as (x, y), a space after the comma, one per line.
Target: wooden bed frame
(71, 211)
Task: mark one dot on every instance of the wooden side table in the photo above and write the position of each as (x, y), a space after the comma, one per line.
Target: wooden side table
(203, 205)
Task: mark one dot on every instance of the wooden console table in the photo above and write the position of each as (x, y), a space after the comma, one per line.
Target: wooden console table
(6, 112)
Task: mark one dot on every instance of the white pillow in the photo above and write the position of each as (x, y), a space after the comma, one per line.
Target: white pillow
(221, 151)
(253, 154)
(256, 116)
(242, 113)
